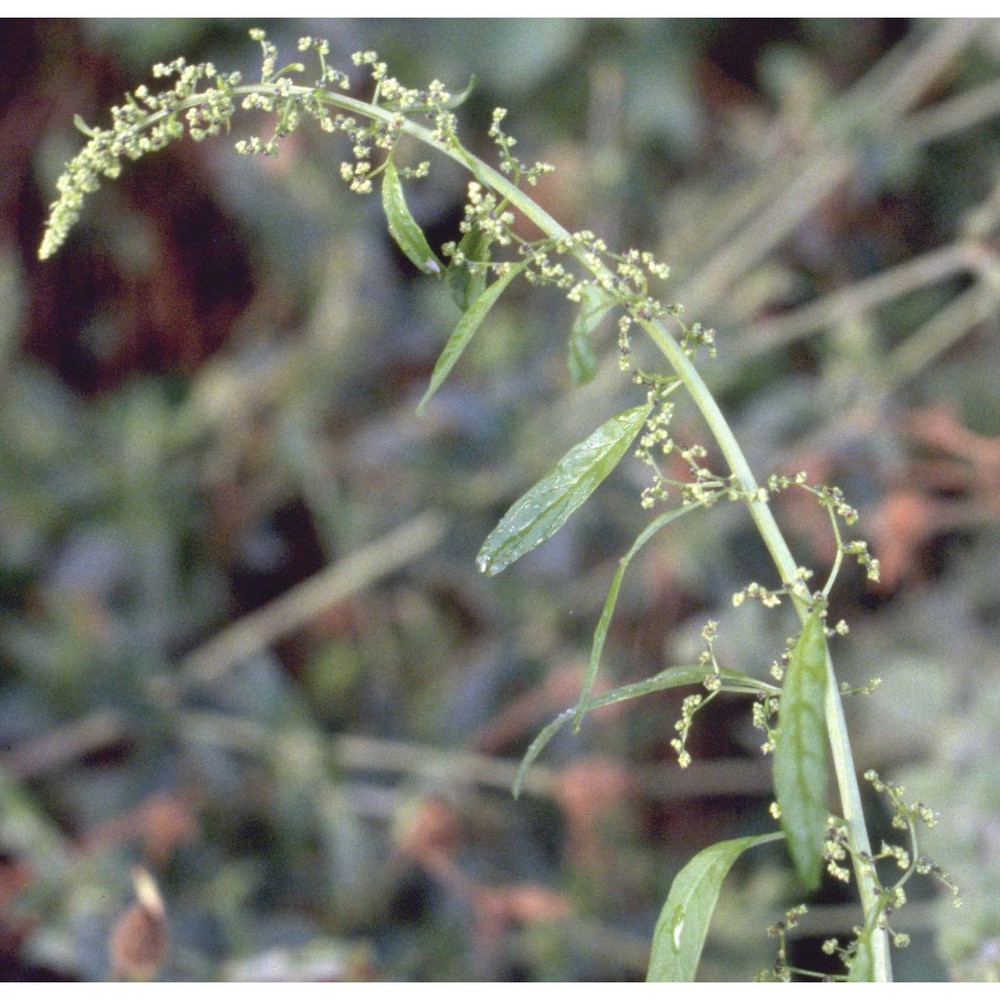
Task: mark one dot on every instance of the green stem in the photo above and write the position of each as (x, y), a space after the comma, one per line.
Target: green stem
(836, 724)
(760, 511)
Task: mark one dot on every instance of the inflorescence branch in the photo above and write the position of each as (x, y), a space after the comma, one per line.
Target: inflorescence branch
(202, 103)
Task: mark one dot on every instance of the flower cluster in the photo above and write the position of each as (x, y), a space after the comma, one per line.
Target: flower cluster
(390, 94)
(838, 847)
(693, 703)
(689, 707)
(765, 708)
(656, 438)
(483, 213)
(832, 499)
(781, 971)
(704, 488)
(202, 103)
(509, 164)
(145, 123)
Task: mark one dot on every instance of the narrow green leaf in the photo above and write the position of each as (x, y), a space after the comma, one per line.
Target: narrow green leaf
(538, 744)
(465, 286)
(686, 676)
(465, 329)
(403, 227)
(457, 100)
(800, 768)
(680, 932)
(547, 505)
(580, 359)
(601, 632)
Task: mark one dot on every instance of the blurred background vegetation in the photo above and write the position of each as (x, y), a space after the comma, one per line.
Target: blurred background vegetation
(243, 642)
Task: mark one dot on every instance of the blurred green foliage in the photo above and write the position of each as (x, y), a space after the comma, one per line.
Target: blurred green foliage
(208, 401)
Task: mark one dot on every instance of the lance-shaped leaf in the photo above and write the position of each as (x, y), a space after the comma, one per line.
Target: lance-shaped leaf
(601, 632)
(800, 768)
(457, 100)
(465, 285)
(547, 505)
(686, 676)
(680, 932)
(403, 227)
(466, 329)
(580, 358)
